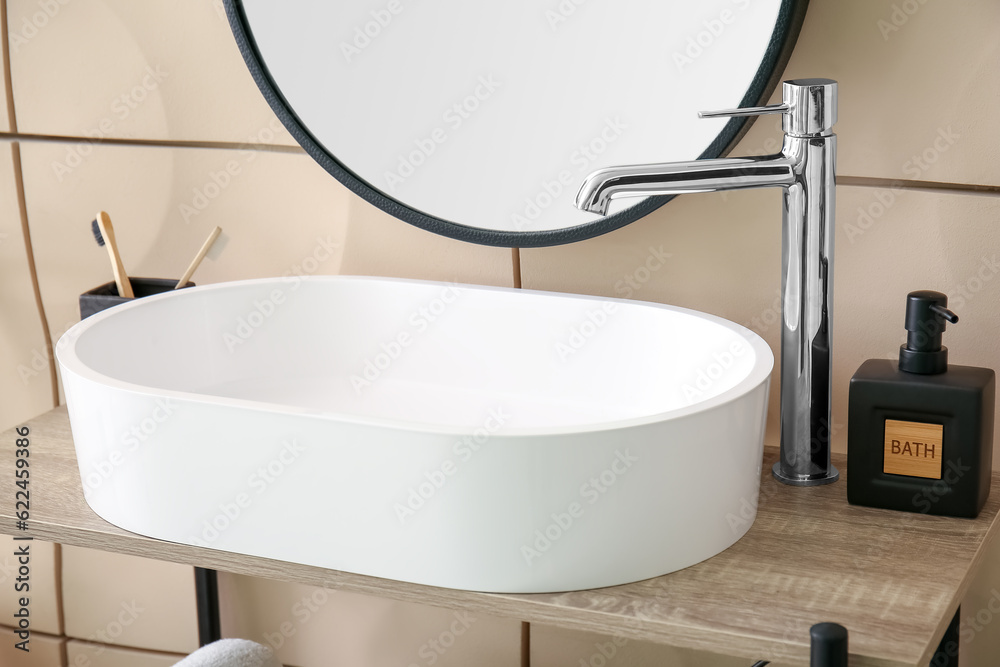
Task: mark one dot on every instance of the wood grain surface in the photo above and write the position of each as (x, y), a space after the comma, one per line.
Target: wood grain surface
(893, 579)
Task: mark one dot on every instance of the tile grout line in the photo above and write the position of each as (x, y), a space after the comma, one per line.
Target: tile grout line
(942, 187)
(100, 646)
(153, 143)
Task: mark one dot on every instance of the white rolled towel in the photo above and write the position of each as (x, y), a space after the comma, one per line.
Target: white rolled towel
(231, 653)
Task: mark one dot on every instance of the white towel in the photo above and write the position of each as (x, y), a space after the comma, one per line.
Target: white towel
(231, 653)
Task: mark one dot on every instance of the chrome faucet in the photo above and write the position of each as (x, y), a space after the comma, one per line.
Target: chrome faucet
(804, 169)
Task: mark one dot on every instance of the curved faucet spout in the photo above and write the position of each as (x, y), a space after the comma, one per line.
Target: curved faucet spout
(672, 178)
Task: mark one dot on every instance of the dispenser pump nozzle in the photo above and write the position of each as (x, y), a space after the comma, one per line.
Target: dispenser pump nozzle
(926, 315)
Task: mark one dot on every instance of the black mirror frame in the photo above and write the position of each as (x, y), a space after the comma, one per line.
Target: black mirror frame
(779, 49)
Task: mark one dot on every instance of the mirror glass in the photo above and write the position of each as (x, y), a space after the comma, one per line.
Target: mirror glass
(480, 120)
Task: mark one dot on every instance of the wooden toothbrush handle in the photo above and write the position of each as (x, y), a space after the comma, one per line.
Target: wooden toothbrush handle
(205, 247)
(121, 277)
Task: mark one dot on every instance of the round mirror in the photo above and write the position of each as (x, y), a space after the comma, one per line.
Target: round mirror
(480, 120)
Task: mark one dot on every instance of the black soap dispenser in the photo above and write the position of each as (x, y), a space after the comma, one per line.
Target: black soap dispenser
(920, 432)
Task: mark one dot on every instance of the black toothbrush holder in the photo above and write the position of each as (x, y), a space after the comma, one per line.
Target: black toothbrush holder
(104, 296)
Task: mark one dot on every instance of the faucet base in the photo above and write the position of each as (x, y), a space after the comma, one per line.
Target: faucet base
(805, 480)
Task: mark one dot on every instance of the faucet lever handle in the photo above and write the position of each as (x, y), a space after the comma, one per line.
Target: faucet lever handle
(808, 108)
(746, 111)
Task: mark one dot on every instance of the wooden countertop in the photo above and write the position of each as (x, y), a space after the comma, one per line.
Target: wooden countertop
(893, 579)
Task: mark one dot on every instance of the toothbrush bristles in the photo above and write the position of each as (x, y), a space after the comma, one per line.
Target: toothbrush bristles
(94, 227)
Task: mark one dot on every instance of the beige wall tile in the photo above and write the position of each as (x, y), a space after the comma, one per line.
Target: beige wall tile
(43, 595)
(141, 70)
(919, 87)
(315, 627)
(24, 367)
(556, 647)
(85, 654)
(129, 601)
(44, 650)
(379, 244)
(280, 213)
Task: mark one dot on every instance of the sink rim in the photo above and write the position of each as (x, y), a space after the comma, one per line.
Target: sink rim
(65, 353)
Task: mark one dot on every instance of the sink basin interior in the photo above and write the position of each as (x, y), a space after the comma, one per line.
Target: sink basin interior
(424, 353)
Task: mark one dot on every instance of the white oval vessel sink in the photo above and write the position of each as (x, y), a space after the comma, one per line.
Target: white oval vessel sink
(467, 437)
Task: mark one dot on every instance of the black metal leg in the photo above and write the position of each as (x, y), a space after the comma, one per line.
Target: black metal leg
(206, 590)
(828, 645)
(947, 651)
